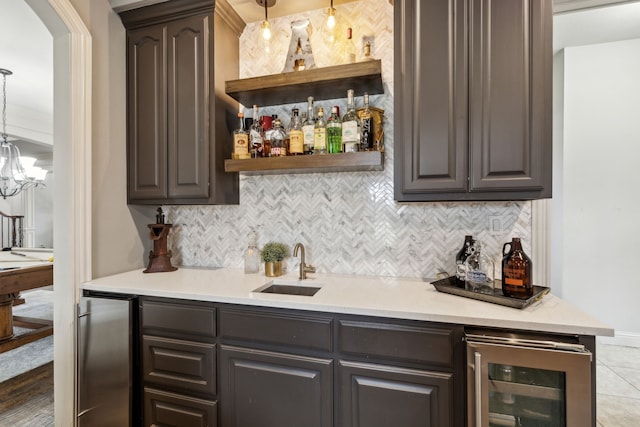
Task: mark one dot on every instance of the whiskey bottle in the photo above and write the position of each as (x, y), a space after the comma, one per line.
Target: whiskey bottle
(366, 142)
(256, 136)
(278, 140)
(267, 128)
(240, 140)
(516, 271)
(320, 134)
(350, 126)
(461, 257)
(334, 131)
(296, 137)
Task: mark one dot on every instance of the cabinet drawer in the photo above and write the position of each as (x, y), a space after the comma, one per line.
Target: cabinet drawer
(179, 364)
(169, 409)
(404, 343)
(178, 319)
(290, 329)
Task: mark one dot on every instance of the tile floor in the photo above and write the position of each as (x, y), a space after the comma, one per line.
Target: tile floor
(618, 386)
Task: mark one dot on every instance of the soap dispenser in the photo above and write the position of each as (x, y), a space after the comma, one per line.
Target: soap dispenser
(252, 256)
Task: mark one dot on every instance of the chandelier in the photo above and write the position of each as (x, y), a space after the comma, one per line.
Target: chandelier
(16, 173)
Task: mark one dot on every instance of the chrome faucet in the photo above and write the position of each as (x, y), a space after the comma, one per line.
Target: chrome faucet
(304, 268)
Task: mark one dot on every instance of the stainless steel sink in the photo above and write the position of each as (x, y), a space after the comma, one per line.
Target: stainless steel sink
(283, 287)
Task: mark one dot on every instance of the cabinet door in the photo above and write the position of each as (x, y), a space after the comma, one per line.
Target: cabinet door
(386, 396)
(431, 98)
(175, 410)
(188, 79)
(267, 389)
(147, 114)
(510, 92)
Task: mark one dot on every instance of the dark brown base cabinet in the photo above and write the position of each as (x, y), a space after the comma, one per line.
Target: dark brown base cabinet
(206, 364)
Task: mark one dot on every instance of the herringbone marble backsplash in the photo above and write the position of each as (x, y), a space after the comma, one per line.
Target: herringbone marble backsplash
(348, 222)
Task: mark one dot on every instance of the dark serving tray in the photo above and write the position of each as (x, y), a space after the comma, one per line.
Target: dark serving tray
(448, 286)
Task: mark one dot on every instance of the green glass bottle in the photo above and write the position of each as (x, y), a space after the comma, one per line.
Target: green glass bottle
(334, 132)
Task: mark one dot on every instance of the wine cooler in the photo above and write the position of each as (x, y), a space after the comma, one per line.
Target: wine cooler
(523, 382)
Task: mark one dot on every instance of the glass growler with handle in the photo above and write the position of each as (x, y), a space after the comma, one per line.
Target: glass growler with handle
(516, 271)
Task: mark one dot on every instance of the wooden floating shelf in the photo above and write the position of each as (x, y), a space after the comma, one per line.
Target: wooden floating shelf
(321, 83)
(343, 162)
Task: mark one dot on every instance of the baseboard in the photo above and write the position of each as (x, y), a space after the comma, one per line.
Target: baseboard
(626, 339)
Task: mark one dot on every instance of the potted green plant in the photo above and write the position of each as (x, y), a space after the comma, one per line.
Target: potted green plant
(272, 255)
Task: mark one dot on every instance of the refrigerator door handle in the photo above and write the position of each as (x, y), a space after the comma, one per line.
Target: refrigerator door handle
(478, 387)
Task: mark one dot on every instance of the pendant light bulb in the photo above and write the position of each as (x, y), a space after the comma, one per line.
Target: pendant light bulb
(266, 30)
(331, 18)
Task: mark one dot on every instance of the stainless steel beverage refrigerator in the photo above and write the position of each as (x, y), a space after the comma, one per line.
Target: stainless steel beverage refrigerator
(105, 338)
(523, 382)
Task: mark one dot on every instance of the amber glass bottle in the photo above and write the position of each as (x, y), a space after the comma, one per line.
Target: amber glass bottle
(516, 271)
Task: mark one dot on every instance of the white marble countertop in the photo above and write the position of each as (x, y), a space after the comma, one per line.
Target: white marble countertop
(399, 298)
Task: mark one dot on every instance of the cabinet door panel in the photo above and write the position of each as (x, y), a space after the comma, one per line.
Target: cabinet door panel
(509, 138)
(147, 141)
(174, 410)
(188, 56)
(172, 363)
(266, 389)
(431, 103)
(385, 396)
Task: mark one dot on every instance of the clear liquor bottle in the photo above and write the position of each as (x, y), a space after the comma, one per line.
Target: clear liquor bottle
(308, 126)
(296, 136)
(252, 256)
(320, 134)
(366, 142)
(351, 126)
(240, 140)
(334, 131)
(349, 48)
(278, 140)
(480, 271)
(256, 137)
(461, 257)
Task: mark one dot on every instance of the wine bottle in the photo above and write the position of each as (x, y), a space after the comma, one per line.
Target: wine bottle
(334, 131)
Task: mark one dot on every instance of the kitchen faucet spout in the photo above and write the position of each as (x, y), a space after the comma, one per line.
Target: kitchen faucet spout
(304, 268)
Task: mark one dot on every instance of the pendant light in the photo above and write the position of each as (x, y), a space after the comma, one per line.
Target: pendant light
(264, 39)
(330, 25)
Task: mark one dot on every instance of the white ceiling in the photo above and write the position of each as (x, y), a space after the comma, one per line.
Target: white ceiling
(30, 88)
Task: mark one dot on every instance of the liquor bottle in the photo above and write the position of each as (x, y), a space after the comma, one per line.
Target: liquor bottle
(350, 126)
(366, 141)
(252, 256)
(320, 134)
(296, 137)
(278, 140)
(516, 271)
(349, 48)
(308, 127)
(334, 131)
(480, 271)
(461, 257)
(256, 136)
(366, 52)
(240, 140)
(267, 128)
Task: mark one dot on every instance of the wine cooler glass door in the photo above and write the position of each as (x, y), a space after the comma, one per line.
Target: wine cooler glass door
(528, 387)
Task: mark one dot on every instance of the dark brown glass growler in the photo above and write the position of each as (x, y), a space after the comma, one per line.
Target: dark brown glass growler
(516, 271)
(461, 257)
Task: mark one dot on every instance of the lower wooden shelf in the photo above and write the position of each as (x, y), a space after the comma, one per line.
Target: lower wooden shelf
(342, 162)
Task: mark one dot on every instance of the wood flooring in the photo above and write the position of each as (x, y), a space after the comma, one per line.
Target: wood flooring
(27, 400)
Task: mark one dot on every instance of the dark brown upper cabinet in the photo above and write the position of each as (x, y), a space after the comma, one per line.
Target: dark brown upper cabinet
(473, 100)
(179, 120)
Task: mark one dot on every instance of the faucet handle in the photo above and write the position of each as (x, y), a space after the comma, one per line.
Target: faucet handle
(309, 268)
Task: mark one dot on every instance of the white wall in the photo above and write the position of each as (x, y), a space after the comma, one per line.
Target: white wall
(600, 151)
